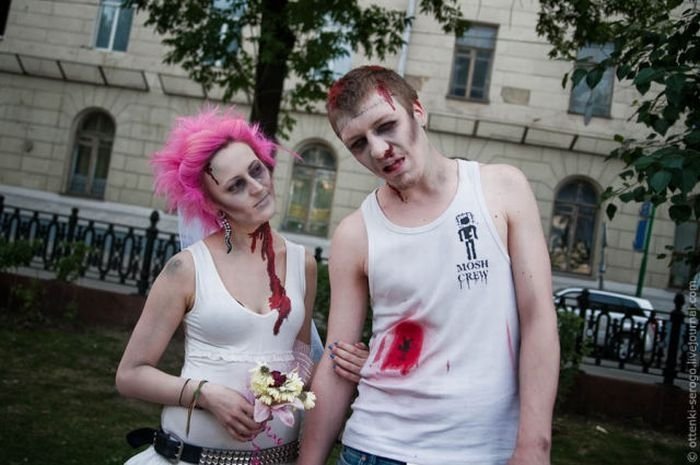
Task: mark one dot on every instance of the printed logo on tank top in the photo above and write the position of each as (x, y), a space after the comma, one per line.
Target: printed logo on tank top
(473, 271)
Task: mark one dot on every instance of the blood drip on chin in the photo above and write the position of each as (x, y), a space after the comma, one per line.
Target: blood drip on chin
(278, 300)
(389, 154)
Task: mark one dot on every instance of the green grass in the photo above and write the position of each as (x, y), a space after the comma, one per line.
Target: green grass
(59, 406)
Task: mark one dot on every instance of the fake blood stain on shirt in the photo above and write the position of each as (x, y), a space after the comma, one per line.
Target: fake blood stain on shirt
(403, 353)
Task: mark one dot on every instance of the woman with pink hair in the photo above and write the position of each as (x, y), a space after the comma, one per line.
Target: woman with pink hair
(244, 295)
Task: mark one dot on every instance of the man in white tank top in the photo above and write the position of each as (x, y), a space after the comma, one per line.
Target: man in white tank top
(464, 353)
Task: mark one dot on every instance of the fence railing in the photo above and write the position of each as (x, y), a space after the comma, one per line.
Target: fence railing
(653, 342)
(116, 253)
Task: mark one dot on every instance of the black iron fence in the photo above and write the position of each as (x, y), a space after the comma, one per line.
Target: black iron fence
(658, 343)
(653, 342)
(120, 254)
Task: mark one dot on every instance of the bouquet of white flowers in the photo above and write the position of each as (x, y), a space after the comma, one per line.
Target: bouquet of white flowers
(278, 393)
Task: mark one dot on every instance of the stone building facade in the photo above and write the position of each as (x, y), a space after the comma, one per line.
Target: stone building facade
(85, 98)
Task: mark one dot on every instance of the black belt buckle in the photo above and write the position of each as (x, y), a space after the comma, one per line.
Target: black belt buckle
(168, 445)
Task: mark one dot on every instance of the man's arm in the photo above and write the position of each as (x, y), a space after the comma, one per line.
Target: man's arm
(347, 313)
(539, 339)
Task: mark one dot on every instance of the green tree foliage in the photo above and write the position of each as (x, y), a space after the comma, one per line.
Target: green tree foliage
(255, 46)
(573, 348)
(656, 50)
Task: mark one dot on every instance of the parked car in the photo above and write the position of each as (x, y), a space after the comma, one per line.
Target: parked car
(636, 328)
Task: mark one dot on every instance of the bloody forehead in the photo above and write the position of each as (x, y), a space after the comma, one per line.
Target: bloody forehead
(386, 94)
(338, 88)
(334, 92)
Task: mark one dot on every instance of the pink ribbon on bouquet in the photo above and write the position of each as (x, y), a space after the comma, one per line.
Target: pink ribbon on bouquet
(283, 411)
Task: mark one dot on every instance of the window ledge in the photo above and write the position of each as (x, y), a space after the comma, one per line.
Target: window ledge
(467, 99)
(574, 113)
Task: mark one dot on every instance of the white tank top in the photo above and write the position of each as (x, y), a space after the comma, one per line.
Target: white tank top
(224, 340)
(441, 383)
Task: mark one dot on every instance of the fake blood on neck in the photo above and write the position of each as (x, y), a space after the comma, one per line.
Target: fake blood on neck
(278, 300)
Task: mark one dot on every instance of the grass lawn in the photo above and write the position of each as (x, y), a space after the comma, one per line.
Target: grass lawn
(59, 406)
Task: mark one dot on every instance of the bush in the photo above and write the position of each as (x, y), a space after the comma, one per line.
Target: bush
(25, 302)
(573, 349)
(14, 254)
(323, 304)
(73, 261)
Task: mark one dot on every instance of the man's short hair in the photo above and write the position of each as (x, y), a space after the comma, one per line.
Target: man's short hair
(347, 93)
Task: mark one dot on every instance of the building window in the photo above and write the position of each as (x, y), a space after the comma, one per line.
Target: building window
(113, 26)
(91, 154)
(471, 69)
(596, 101)
(4, 13)
(311, 193)
(687, 239)
(573, 227)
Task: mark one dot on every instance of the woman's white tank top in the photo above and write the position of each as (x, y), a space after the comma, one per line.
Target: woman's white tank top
(224, 340)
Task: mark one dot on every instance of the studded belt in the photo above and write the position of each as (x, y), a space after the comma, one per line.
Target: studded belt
(174, 449)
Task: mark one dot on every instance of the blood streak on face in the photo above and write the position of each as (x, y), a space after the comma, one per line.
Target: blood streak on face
(386, 95)
(406, 345)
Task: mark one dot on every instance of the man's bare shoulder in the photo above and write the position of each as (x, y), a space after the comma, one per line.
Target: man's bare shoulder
(350, 238)
(350, 228)
(500, 175)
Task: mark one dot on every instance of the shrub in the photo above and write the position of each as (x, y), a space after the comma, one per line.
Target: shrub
(14, 254)
(572, 347)
(323, 303)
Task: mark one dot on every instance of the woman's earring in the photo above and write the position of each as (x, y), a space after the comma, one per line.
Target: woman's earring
(227, 231)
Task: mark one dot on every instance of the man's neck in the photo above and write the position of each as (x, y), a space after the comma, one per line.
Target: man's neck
(424, 200)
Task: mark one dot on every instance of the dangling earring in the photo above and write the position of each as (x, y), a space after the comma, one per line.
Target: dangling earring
(227, 231)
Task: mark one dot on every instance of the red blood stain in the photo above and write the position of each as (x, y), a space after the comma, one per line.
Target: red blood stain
(397, 192)
(405, 349)
(379, 351)
(386, 95)
(334, 92)
(278, 300)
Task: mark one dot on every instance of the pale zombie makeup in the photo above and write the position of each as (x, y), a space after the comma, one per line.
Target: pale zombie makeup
(240, 184)
(390, 127)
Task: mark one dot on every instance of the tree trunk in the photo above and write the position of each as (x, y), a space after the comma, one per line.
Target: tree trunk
(276, 43)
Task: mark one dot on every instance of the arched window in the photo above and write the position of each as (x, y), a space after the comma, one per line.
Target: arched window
(91, 153)
(311, 192)
(573, 227)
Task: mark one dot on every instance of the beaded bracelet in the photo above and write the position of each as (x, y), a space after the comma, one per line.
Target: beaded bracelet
(193, 404)
(182, 391)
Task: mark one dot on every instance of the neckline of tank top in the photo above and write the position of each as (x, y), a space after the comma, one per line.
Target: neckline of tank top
(244, 307)
(462, 174)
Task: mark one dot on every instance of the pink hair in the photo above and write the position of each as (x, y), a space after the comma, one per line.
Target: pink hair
(179, 167)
